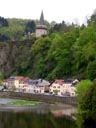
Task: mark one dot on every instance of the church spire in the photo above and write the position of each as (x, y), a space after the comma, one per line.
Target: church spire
(42, 18)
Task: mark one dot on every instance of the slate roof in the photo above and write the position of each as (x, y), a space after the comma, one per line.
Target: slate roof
(42, 19)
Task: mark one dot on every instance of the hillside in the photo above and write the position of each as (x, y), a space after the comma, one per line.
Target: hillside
(67, 51)
(14, 56)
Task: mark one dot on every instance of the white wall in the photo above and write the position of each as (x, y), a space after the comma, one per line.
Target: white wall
(40, 32)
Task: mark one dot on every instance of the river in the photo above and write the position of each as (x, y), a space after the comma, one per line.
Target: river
(43, 115)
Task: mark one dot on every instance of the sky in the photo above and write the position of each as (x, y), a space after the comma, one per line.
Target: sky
(54, 10)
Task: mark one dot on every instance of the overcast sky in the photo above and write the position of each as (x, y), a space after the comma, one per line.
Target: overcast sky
(54, 10)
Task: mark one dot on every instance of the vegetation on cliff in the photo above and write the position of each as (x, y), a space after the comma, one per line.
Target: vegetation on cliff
(67, 51)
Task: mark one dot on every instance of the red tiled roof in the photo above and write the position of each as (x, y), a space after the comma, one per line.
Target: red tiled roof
(22, 79)
(19, 78)
(25, 79)
(59, 81)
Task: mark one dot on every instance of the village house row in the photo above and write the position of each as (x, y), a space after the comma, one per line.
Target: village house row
(41, 86)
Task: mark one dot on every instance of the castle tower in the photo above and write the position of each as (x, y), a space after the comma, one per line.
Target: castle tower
(41, 29)
(42, 19)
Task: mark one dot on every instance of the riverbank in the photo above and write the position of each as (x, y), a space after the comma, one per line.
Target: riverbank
(57, 109)
(40, 97)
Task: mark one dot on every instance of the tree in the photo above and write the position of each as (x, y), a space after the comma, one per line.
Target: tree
(3, 22)
(1, 78)
(39, 52)
(85, 103)
(82, 88)
(91, 70)
(84, 51)
(30, 27)
(86, 117)
(92, 20)
(55, 91)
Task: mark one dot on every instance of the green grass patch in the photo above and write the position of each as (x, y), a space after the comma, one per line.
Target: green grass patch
(24, 102)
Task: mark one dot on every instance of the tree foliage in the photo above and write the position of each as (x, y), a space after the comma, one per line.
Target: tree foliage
(69, 50)
(3, 22)
(82, 88)
(30, 27)
(1, 77)
(86, 117)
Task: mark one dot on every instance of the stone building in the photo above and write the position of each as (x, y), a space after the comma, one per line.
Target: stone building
(41, 28)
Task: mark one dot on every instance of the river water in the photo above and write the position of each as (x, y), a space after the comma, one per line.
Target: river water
(40, 116)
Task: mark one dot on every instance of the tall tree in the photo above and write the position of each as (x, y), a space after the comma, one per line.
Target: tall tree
(30, 27)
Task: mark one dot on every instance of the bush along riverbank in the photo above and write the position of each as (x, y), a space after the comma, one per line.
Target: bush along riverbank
(86, 117)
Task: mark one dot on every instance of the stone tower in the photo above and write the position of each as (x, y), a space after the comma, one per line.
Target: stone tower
(41, 29)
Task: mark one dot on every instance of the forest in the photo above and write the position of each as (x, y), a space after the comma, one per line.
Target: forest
(68, 51)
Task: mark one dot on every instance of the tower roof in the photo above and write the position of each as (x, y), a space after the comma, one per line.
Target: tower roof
(42, 19)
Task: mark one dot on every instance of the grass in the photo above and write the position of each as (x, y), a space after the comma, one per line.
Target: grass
(24, 102)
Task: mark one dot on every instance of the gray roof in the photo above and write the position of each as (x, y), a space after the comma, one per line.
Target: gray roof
(42, 19)
(39, 82)
(12, 78)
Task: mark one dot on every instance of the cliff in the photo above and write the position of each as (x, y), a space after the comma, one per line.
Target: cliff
(14, 56)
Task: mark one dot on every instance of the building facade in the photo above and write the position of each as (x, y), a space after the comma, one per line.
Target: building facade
(41, 28)
(65, 88)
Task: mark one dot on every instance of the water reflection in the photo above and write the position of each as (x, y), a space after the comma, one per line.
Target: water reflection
(33, 120)
(41, 116)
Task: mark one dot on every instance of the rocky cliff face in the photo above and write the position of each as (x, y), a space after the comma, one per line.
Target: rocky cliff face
(13, 56)
(4, 53)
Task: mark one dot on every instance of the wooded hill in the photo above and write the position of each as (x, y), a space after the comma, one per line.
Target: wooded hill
(69, 51)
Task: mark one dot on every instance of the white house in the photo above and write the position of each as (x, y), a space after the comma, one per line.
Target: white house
(41, 85)
(36, 86)
(57, 87)
(69, 87)
(66, 88)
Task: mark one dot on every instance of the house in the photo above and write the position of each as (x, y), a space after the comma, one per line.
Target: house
(36, 86)
(5, 82)
(41, 29)
(42, 86)
(23, 81)
(17, 81)
(57, 87)
(10, 84)
(30, 86)
(69, 87)
(64, 87)
(22, 84)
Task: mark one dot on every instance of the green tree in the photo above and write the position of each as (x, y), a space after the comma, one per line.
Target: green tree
(86, 117)
(92, 20)
(1, 77)
(39, 51)
(82, 88)
(56, 91)
(30, 27)
(91, 70)
(84, 51)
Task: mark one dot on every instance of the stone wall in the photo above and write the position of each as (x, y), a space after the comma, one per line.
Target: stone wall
(40, 97)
